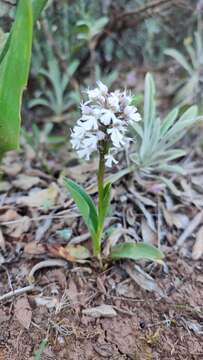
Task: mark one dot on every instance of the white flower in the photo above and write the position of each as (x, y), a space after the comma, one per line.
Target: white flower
(113, 101)
(86, 110)
(78, 131)
(131, 113)
(107, 116)
(91, 142)
(94, 94)
(103, 88)
(85, 153)
(110, 160)
(116, 137)
(75, 142)
(88, 122)
(103, 122)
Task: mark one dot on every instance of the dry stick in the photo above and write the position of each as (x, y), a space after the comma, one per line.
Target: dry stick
(46, 263)
(189, 229)
(147, 7)
(17, 292)
(42, 217)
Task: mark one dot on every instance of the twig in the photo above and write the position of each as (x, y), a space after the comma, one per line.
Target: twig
(79, 239)
(142, 9)
(68, 216)
(189, 229)
(17, 292)
(46, 263)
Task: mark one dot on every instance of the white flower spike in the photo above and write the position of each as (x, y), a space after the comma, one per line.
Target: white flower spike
(104, 123)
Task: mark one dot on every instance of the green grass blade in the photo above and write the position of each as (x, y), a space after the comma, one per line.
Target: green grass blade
(136, 251)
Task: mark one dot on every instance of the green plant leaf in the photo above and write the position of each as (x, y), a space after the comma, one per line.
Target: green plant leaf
(149, 112)
(106, 202)
(136, 251)
(39, 353)
(169, 121)
(38, 6)
(181, 59)
(14, 70)
(85, 205)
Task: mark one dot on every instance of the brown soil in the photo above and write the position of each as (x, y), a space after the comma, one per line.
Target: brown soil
(146, 327)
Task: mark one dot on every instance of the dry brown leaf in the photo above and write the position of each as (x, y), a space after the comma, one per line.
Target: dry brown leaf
(143, 279)
(12, 169)
(9, 215)
(4, 186)
(25, 182)
(130, 215)
(34, 248)
(197, 250)
(17, 229)
(193, 224)
(100, 311)
(147, 214)
(148, 235)
(49, 302)
(73, 253)
(23, 312)
(41, 198)
(179, 220)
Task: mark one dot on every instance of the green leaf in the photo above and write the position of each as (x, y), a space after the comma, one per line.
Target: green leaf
(149, 100)
(85, 205)
(176, 169)
(136, 251)
(181, 59)
(106, 203)
(38, 6)
(14, 70)
(149, 112)
(169, 121)
(39, 353)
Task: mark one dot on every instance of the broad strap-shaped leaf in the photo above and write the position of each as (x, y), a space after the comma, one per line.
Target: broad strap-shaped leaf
(85, 205)
(14, 70)
(38, 6)
(106, 203)
(136, 251)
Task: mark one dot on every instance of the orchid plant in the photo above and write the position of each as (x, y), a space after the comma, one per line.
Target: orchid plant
(102, 128)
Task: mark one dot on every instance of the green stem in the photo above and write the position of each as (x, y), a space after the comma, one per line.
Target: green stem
(100, 180)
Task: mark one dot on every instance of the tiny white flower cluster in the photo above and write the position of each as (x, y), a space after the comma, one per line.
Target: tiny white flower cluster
(105, 118)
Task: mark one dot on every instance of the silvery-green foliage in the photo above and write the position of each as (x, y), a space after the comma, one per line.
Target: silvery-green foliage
(190, 88)
(156, 138)
(55, 96)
